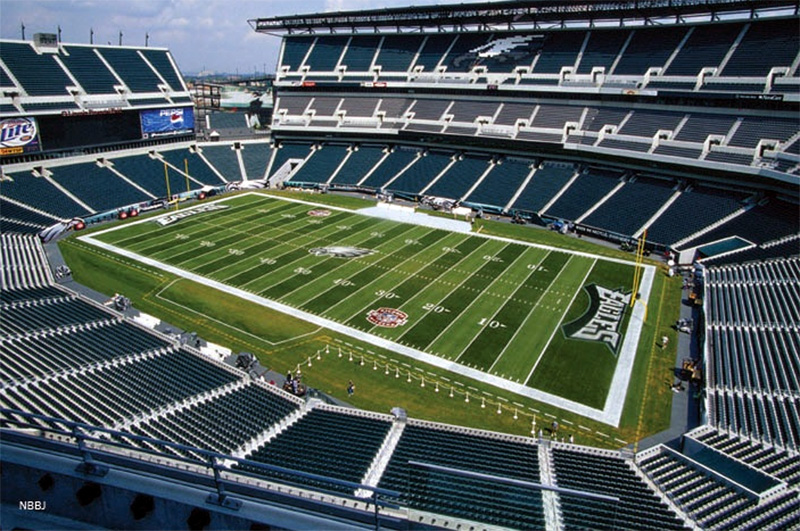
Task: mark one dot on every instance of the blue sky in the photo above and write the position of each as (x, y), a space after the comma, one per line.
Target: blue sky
(202, 34)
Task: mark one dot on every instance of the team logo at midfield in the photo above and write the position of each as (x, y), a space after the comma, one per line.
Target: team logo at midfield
(340, 252)
(602, 319)
(387, 317)
(319, 213)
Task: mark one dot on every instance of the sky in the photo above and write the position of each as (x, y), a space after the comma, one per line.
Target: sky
(203, 35)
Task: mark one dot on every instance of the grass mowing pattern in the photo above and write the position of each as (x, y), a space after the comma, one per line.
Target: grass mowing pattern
(493, 305)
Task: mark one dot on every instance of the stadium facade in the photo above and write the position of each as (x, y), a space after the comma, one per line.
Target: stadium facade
(672, 121)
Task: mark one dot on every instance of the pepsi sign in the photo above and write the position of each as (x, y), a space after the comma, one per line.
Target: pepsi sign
(18, 135)
(163, 122)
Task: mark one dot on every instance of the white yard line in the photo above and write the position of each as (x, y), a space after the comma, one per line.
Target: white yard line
(522, 324)
(612, 412)
(458, 286)
(558, 326)
(248, 236)
(376, 279)
(410, 301)
(292, 247)
(342, 263)
(403, 235)
(484, 290)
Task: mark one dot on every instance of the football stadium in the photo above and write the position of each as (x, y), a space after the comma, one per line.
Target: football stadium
(495, 265)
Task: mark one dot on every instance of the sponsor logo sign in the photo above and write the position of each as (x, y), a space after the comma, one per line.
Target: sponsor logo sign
(164, 122)
(340, 252)
(387, 317)
(319, 213)
(172, 218)
(18, 135)
(602, 320)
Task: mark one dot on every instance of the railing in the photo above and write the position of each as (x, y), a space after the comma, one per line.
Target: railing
(101, 448)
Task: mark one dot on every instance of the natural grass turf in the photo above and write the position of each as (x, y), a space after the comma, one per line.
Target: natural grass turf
(647, 405)
(508, 292)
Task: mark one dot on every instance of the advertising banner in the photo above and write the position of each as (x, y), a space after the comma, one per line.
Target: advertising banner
(165, 122)
(18, 135)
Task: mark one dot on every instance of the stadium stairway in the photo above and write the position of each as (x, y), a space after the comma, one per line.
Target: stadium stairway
(382, 457)
(177, 407)
(276, 429)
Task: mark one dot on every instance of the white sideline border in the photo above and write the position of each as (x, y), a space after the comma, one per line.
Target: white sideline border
(618, 390)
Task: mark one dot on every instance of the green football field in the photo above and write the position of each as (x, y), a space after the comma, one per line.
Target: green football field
(516, 312)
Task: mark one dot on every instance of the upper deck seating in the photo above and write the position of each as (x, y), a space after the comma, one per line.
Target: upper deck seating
(360, 53)
(160, 60)
(638, 506)
(774, 461)
(326, 52)
(134, 71)
(113, 392)
(39, 74)
(601, 50)
(223, 423)
(462, 56)
(777, 40)
(397, 52)
(559, 50)
(706, 47)
(432, 52)
(89, 70)
(649, 47)
(294, 51)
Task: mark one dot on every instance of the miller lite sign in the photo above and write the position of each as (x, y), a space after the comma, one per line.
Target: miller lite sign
(18, 135)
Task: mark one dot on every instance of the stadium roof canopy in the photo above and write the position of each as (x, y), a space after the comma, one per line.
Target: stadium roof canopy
(513, 14)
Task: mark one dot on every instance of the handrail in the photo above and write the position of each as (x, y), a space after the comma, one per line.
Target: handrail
(214, 460)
